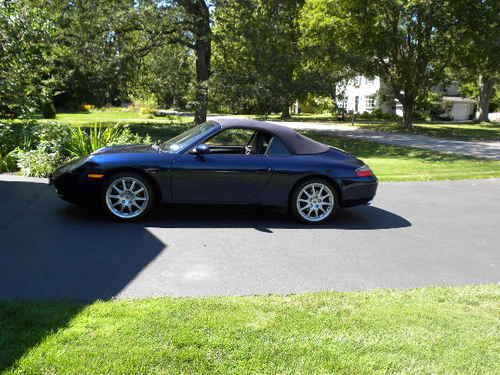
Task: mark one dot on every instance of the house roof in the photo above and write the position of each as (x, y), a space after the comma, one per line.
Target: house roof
(295, 142)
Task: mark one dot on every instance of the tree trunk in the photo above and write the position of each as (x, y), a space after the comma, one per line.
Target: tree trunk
(203, 54)
(485, 93)
(199, 15)
(285, 112)
(408, 111)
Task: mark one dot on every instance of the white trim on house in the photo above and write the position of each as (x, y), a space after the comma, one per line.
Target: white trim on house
(363, 94)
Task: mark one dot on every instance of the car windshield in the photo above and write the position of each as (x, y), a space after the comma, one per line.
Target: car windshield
(188, 137)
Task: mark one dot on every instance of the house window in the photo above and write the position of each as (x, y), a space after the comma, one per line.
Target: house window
(370, 102)
(357, 81)
(369, 81)
(356, 104)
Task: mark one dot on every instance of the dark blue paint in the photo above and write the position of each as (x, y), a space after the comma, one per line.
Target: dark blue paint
(187, 177)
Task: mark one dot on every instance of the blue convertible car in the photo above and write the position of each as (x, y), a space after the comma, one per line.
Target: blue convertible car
(222, 161)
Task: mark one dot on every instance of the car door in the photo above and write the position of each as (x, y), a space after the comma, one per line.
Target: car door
(227, 175)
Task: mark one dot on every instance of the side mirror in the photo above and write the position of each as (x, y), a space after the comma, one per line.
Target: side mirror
(201, 149)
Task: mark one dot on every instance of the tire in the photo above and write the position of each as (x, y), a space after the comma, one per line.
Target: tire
(127, 197)
(314, 201)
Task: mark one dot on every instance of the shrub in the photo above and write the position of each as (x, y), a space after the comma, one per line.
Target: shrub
(39, 149)
(87, 107)
(83, 143)
(48, 110)
(38, 162)
(7, 162)
(14, 135)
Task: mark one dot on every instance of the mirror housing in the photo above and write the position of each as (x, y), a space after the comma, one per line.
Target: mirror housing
(201, 149)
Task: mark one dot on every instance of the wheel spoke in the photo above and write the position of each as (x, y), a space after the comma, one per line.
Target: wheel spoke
(130, 190)
(315, 202)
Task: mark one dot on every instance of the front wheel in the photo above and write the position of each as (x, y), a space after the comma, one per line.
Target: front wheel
(313, 201)
(128, 197)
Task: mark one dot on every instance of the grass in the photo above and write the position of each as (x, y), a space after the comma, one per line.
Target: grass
(113, 117)
(427, 330)
(395, 163)
(461, 131)
(390, 163)
(452, 130)
(467, 132)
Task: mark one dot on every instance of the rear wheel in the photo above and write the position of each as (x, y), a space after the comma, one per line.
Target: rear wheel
(314, 201)
(128, 197)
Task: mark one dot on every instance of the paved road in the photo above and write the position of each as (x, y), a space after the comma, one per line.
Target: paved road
(416, 234)
(489, 149)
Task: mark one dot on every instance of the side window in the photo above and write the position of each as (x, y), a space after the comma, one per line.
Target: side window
(277, 148)
(231, 137)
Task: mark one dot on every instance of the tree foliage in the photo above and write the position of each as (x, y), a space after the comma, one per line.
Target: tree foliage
(476, 47)
(26, 33)
(403, 42)
(257, 57)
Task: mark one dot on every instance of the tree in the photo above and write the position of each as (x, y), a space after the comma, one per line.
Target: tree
(25, 57)
(164, 74)
(476, 41)
(257, 55)
(198, 21)
(402, 42)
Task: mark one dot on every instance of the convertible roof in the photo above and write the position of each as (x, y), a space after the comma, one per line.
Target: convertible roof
(295, 142)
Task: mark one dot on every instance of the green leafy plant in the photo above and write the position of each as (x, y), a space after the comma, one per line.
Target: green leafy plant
(7, 162)
(84, 142)
(38, 162)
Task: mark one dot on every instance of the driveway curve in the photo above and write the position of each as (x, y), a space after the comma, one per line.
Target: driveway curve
(478, 149)
(416, 234)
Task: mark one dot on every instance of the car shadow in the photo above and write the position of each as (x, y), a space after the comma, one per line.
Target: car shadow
(53, 251)
(259, 218)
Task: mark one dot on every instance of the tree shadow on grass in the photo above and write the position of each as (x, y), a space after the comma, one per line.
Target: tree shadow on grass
(52, 251)
(46, 254)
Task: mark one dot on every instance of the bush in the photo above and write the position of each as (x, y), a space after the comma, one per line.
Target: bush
(377, 115)
(8, 162)
(38, 162)
(38, 149)
(14, 135)
(82, 142)
(48, 110)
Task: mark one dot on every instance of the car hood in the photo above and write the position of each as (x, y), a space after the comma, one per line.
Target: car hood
(120, 149)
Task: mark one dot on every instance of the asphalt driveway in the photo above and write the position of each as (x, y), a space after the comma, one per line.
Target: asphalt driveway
(436, 233)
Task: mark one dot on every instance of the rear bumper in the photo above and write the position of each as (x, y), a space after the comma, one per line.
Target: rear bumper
(357, 191)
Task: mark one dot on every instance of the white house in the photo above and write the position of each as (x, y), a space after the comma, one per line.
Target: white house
(364, 94)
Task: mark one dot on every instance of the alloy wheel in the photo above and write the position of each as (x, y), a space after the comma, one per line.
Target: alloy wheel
(127, 197)
(315, 202)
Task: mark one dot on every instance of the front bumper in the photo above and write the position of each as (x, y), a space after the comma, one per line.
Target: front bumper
(357, 191)
(76, 187)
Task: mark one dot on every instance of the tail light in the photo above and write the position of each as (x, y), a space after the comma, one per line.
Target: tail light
(364, 171)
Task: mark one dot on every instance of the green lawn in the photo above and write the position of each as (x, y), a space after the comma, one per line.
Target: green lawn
(452, 130)
(390, 163)
(113, 117)
(394, 163)
(428, 330)
(467, 132)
